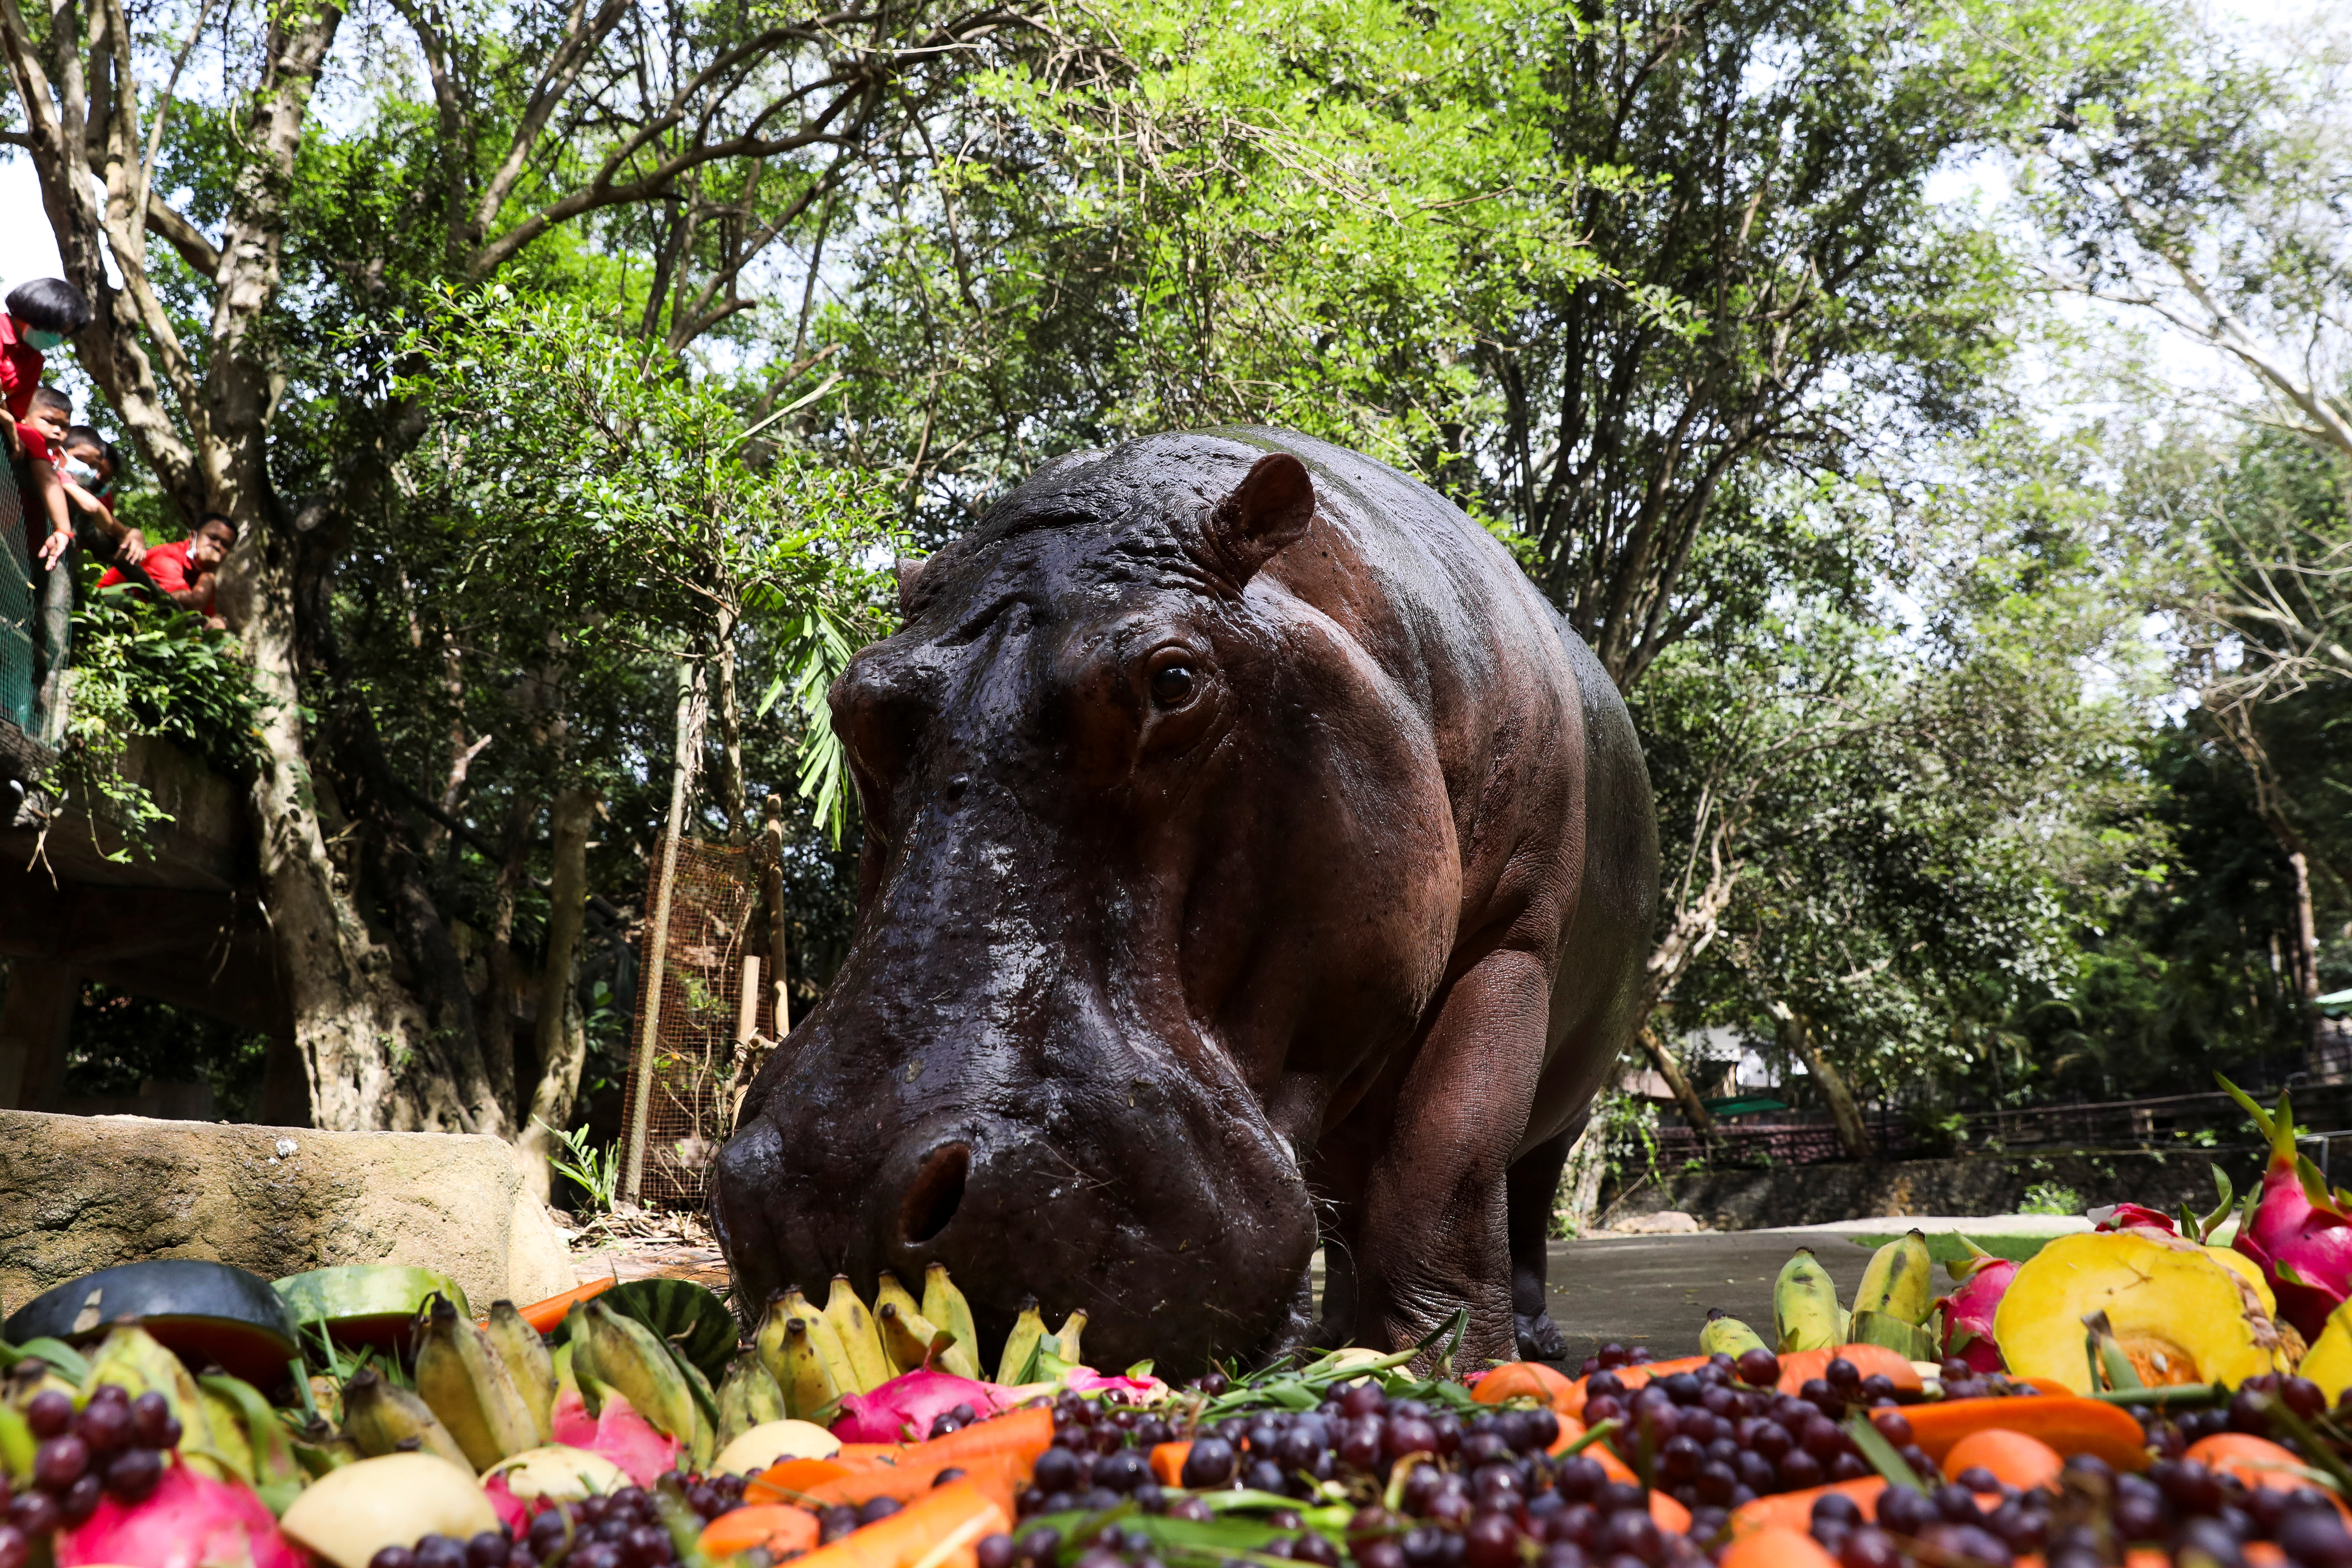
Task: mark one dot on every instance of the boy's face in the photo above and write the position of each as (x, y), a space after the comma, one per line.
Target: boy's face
(49, 422)
(94, 459)
(210, 544)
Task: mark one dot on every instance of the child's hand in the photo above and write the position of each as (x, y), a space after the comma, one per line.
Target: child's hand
(54, 547)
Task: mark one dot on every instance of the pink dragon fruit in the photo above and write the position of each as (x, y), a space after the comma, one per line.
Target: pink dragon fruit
(1086, 1380)
(903, 1409)
(1967, 1311)
(2131, 1216)
(2297, 1232)
(618, 1433)
(188, 1520)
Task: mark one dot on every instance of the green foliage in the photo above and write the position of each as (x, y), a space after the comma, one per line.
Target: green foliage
(597, 1171)
(2049, 1197)
(142, 668)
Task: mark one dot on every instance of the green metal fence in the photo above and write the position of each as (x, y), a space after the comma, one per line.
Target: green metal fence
(19, 603)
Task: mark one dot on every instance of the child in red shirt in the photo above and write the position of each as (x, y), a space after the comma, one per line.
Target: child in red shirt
(188, 571)
(43, 428)
(88, 476)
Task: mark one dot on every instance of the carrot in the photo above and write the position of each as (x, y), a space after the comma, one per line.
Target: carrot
(1799, 1365)
(1670, 1514)
(2014, 1459)
(999, 1475)
(791, 1477)
(938, 1532)
(780, 1529)
(1570, 1429)
(1522, 1380)
(2259, 1462)
(2071, 1426)
(1168, 1462)
(545, 1315)
(1777, 1546)
(1794, 1511)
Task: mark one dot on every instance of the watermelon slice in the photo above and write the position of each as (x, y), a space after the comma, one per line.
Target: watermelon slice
(366, 1303)
(207, 1312)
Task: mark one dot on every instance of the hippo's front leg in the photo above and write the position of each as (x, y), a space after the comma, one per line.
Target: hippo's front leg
(1434, 1234)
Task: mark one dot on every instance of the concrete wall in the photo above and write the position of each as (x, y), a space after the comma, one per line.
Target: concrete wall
(1984, 1183)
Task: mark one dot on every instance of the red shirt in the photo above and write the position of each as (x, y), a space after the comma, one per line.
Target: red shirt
(20, 368)
(168, 566)
(37, 444)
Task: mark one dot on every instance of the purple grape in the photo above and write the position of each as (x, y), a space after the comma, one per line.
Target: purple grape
(440, 1551)
(50, 1414)
(133, 1474)
(15, 1551)
(59, 1463)
(392, 1557)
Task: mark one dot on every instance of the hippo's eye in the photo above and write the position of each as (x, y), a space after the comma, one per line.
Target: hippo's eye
(1172, 685)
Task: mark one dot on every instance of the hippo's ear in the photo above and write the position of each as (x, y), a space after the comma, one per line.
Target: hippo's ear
(1270, 508)
(909, 570)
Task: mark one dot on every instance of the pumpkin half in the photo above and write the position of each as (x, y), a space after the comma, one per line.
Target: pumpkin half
(2180, 1315)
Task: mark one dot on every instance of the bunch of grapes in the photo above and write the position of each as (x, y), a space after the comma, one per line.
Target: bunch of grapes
(113, 1446)
(2180, 1507)
(490, 1549)
(1721, 1436)
(2248, 1411)
(622, 1529)
(1612, 1356)
(1962, 1381)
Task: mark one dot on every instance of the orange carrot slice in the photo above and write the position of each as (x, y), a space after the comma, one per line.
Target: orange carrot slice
(1570, 1429)
(1794, 1511)
(777, 1528)
(789, 1479)
(1522, 1380)
(1869, 1359)
(545, 1315)
(1777, 1546)
(2259, 1462)
(938, 1531)
(2071, 1426)
(1168, 1462)
(2014, 1459)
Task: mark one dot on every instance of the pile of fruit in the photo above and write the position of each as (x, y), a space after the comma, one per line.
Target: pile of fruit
(2138, 1395)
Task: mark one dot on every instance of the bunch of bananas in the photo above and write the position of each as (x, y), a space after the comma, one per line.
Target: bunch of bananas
(1894, 1306)
(814, 1356)
(482, 1394)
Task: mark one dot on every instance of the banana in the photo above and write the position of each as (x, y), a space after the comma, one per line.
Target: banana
(944, 1305)
(810, 1388)
(1805, 1312)
(909, 1338)
(226, 1424)
(1725, 1335)
(624, 1356)
(1021, 1344)
(855, 1327)
(518, 1345)
(382, 1419)
(748, 1397)
(278, 1475)
(825, 1339)
(1898, 1281)
(887, 1290)
(321, 1447)
(462, 1378)
(1068, 1337)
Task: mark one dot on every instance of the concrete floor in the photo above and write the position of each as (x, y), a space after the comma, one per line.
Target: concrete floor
(1655, 1290)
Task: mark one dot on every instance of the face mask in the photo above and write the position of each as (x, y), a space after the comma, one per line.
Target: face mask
(83, 474)
(43, 339)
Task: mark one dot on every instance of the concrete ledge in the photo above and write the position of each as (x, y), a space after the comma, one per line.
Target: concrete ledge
(78, 1193)
(1792, 1196)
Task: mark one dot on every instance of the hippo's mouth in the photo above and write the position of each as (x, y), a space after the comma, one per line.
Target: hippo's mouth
(1179, 1250)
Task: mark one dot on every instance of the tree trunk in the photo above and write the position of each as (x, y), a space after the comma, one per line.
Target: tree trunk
(562, 1043)
(497, 1012)
(1797, 1033)
(1578, 1204)
(688, 748)
(1678, 1083)
(731, 798)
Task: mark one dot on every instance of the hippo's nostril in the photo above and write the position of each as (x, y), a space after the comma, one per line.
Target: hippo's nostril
(932, 1196)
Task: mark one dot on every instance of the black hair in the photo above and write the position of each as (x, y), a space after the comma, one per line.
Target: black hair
(227, 522)
(50, 397)
(51, 304)
(78, 435)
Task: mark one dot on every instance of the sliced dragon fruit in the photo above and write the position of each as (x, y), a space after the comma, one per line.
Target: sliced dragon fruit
(2297, 1232)
(189, 1520)
(1968, 1310)
(902, 1410)
(618, 1433)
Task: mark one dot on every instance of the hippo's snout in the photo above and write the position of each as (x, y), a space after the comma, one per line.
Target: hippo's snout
(935, 1194)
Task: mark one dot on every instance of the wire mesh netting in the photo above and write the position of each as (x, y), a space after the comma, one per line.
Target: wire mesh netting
(18, 664)
(696, 1067)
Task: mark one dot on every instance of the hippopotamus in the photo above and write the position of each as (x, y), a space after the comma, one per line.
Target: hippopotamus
(1253, 860)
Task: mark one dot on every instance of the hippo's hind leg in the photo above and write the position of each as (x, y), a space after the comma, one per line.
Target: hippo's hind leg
(1533, 1185)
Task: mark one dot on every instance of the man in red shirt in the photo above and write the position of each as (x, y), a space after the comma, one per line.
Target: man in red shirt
(186, 571)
